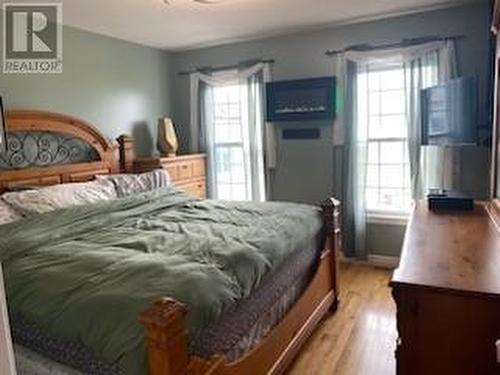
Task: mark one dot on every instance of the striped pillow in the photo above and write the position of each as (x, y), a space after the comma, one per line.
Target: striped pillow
(128, 184)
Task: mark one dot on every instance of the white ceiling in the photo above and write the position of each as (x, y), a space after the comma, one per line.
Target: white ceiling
(185, 24)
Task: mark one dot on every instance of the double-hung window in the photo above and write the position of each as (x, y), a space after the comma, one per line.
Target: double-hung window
(231, 128)
(230, 143)
(382, 111)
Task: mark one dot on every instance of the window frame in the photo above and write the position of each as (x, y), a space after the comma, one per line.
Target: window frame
(380, 215)
(241, 144)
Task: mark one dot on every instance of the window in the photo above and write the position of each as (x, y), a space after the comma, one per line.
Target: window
(230, 146)
(382, 118)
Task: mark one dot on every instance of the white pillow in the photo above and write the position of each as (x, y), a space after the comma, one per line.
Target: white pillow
(128, 184)
(8, 213)
(60, 196)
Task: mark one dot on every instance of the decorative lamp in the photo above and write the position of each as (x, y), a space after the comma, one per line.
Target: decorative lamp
(167, 139)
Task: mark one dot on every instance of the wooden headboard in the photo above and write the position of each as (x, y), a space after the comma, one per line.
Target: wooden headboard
(46, 148)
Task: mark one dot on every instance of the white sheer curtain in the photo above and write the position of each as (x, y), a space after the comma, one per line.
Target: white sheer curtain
(425, 64)
(429, 166)
(259, 137)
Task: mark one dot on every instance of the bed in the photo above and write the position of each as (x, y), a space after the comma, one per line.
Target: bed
(266, 278)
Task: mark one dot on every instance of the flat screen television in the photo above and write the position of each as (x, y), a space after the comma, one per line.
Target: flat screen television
(450, 113)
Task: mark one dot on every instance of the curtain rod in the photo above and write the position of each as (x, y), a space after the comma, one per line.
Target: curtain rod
(241, 64)
(402, 43)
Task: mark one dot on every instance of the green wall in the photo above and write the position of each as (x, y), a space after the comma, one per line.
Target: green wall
(118, 86)
(310, 170)
(122, 87)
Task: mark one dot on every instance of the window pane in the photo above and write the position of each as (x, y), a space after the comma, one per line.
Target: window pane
(230, 170)
(224, 191)
(391, 176)
(234, 110)
(407, 198)
(221, 110)
(382, 114)
(373, 153)
(391, 152)
(372, 199)
(391, 199)
(374, 127)
(374, 103)
(374, 80)
(372, 176)
(407, 176)
(237, 156)
(393, 126)
(238, 192)
(392, 79)
(393, 102)
(223, 166)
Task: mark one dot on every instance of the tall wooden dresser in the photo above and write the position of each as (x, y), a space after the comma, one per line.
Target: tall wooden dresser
(447, 293)
(186, 171)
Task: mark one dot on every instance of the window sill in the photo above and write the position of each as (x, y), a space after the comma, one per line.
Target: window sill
(387, 217)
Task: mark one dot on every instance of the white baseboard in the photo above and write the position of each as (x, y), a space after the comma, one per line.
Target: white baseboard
(383, 261)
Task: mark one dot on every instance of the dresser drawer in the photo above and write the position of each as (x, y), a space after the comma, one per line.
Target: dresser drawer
(172, 171)
(184, 170)
(199, 167)
(195, 188)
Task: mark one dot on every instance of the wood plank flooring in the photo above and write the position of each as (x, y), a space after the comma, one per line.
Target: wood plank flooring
(359, 339)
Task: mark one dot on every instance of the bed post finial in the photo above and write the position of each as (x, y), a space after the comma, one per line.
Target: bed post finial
(331, 213)
(166, 337)
(126, 144)
(331, 222)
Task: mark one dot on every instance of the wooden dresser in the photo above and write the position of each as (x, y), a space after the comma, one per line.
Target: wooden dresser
(187, 171)
(447, 293)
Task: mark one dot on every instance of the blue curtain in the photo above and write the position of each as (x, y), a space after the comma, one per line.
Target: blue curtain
(355, 154)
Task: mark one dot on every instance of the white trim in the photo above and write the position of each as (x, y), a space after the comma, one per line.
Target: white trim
(387, 218)
(383, 261)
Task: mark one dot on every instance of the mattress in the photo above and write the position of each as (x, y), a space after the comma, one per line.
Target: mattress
(243, 325)
(76, 279)
(240, 328)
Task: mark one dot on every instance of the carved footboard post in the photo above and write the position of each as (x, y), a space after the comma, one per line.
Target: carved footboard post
(331, 215)
(166, 337)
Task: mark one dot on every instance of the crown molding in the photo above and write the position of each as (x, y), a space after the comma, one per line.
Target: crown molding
(326, 25)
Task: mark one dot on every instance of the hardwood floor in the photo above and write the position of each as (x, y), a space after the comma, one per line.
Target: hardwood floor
(360, 338)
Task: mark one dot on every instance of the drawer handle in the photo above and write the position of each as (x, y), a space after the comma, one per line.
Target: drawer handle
(184, 167)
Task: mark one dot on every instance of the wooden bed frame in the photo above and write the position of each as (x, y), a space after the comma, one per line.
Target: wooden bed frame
(164, 319)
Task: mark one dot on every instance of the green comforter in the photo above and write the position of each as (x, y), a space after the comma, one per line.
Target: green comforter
(85, 273)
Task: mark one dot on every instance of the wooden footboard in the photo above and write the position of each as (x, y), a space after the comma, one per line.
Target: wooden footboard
(166, 335)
